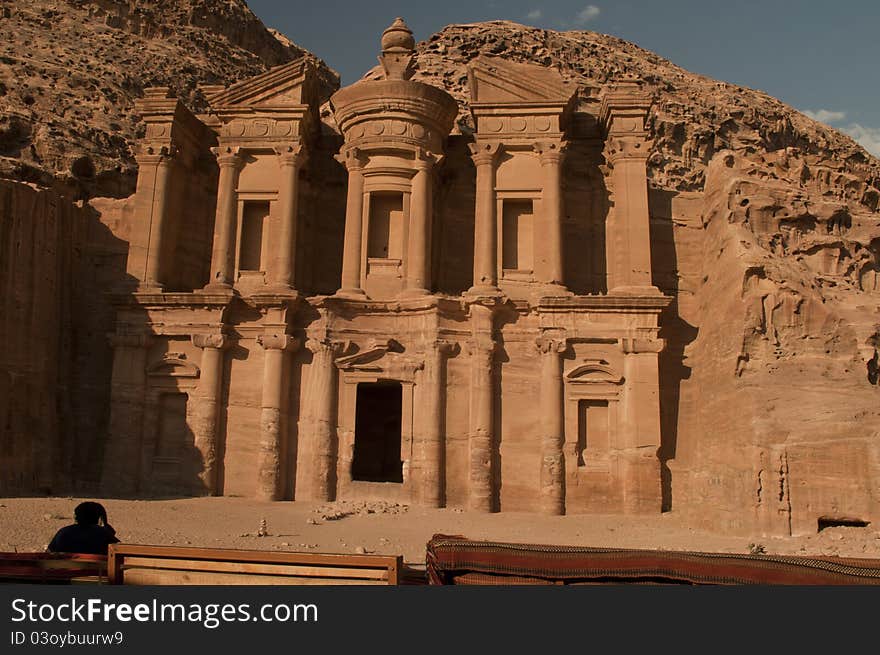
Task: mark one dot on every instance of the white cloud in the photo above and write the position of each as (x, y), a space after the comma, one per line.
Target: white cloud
(587, 14)
(868, 137)
(534, 14)
(826, 115)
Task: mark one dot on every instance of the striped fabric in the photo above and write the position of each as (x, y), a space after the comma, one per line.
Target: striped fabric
(457, 560)
(57, 568)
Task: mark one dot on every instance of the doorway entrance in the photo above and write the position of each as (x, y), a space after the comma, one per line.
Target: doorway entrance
(377, 439)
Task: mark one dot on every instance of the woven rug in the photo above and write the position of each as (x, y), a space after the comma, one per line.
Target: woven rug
(455, 560)
(58, 568)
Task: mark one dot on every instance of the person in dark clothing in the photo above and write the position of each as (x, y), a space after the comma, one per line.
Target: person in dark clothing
(90, 534)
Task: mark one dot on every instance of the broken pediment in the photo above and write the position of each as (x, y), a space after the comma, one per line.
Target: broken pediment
(173, 365)
(288, 85)
(497, 81)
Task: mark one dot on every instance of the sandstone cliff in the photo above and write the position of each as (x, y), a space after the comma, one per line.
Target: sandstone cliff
(70, 71)
(769, 382)
(765, 230)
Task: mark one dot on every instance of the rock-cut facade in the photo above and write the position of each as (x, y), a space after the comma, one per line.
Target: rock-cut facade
(361, 299)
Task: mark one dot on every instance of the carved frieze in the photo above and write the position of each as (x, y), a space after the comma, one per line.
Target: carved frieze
(261, 128)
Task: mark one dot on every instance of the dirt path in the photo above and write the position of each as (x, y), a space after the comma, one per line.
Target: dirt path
(27, 524)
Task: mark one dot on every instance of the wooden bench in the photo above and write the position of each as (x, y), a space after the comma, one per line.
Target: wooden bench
(53, 568)
(167, 565)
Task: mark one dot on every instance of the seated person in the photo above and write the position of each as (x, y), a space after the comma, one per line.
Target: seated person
(90, 534)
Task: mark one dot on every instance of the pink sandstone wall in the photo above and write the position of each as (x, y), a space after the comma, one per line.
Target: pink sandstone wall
(56, 259)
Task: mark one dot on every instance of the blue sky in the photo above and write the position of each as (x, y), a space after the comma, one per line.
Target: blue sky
(820, 57)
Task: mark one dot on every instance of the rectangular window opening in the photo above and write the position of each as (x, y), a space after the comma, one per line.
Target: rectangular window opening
(173, 428)
(385, 239)
(254, 219)
(592, 428)
(517, 250)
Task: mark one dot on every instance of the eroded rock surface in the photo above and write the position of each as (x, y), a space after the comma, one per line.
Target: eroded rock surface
(70, 71)
(765, 229)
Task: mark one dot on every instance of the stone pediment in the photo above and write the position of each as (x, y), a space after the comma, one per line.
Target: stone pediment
(173, 365)
(284, 86)
(498, 82)
(594, 372)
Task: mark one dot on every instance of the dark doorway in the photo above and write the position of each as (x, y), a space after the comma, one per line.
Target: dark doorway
(377, 433)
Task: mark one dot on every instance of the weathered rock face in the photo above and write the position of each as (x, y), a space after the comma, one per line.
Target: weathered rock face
(67, 99)
(764, 227)
(55, 361)
(693, 118)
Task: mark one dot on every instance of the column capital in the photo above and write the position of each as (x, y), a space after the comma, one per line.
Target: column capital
(283, 342)
(228, 156)
(633, 146)
(128, 340)
(155, 154)
(291, 154)
(216, 341)
(325, 345)
(481, 346)
(485, 152)
(547, 344)
(550, 152)
(354, 159)
(635, 345)
(443, 346)
(425, 159)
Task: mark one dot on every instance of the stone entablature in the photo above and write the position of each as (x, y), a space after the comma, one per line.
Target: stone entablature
(516, 393)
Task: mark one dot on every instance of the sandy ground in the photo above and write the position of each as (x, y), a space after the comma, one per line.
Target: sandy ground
(27, 524)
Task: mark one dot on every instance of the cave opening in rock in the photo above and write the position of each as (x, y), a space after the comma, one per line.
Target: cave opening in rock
(826, 522)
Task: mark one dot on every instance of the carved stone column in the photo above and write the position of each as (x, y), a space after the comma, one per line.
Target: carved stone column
(206, 412)
(549, 269)
(418, 265)
(272, 405)
(628, 235)
(290, 159)
(354, 225)
(433, 402)
(161, 163)
(552, 425)
(320, 412)
(640, 438)
(485, 220)
(122, 457)
(481, 349)
(223, 255)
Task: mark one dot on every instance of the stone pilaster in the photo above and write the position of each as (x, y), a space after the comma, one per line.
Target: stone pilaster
(226, 221)
(430, 448)
(156, 164)
(290, 160)
(640, 426)
(552, 425)
(549, 266)
(319, 428)
(206, 410)
(481, 438)
(623, 113)
(418, 265)
(485, 155)
(121, 472)
(354, 225)
(272, 407)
